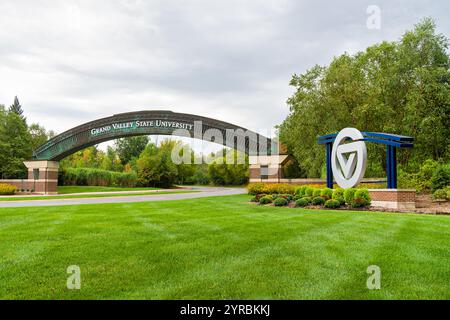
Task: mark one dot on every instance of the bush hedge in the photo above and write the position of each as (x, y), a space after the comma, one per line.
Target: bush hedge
(7, 189)
(332, 204)
(302, 202)
(361, 198)
(308, 199)
(441, 194)
(326, 193)
(338, 194)
(440, 178)
(280, 202)
(309, 192)
(265, 200)
(301, 191)
(349, 194)
(318, 201)
(270, 188)
(97, 177)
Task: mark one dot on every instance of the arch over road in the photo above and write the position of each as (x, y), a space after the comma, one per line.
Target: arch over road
(151, 122)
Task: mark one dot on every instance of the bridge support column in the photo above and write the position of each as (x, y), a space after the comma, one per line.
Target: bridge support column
(43, 175)
(267, 168)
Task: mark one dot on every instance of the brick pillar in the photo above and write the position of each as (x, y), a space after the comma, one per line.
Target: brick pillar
(43, 175)
(267, 168)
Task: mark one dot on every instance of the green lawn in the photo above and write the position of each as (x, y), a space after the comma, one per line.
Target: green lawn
(68, 196)
(81, 189)
(222, 248)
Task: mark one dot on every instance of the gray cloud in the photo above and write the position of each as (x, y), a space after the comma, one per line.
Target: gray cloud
(74, 61)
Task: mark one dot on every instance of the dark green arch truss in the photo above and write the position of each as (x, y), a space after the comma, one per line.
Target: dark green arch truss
(151, 122)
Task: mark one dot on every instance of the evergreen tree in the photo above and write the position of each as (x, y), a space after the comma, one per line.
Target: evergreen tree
(17, 109)
(15, 145)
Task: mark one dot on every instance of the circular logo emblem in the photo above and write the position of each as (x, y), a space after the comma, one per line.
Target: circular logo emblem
(348, 160)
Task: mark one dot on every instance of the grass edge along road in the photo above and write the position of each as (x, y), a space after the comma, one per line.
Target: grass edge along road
(220, 248)
(99, 195)
(82, 189)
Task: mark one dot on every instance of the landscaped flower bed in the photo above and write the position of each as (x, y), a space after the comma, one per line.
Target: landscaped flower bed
(309, 197)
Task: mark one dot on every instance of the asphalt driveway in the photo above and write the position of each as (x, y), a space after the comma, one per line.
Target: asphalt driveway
(203, 192)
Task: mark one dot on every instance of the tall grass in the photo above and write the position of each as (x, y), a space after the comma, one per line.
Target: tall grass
(97, 177)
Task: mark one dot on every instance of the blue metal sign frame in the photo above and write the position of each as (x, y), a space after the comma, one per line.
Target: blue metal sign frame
(392, 142)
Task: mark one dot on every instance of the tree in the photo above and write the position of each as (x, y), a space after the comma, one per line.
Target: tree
(397, 87)
(155, 166)
(15, 145)
(38, 135)
(111, 161)
(131, 147)
(90, 157)
(222, 173)
(17, 109)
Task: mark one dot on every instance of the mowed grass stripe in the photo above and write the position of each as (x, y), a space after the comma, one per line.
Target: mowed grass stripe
(220, 247)
(83, 196)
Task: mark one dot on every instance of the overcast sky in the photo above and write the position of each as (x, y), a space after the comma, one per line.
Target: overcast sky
(74, 61)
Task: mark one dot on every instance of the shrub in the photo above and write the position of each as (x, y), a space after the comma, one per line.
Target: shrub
(338, 194)
(274, 196)
(300, 191)
(7, 189)
(316, 192)
(420, 180)
(254, 199)
(440, 178)
(308, 199)
(98, 177)
(440, 195)
(287, 196)
(309, 192)
(349, 194)
(447, 191)
(318, 201)
(363, 193)
(124, 179)
(265, 200)
(332, 204)
(280, 202)
(340, 199)
(301, 202)
(359, 202)
(259, 196)
(361, 198)
(270, 188)
(326, 193)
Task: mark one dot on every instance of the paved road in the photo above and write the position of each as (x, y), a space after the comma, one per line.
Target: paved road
(204, 192)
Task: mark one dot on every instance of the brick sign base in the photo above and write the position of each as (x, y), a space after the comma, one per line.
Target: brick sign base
(42, 178)
(393, 198)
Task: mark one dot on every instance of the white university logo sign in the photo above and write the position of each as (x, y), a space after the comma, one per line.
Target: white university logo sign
(349, 160)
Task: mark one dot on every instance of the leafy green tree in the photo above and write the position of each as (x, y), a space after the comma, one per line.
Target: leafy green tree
(155, 166)
(111, 161)
(90, 157)
(38, 135)
(200, 175)
(15, 145)
(130, 147)
(397, 87)
(222, 173)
